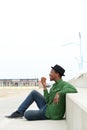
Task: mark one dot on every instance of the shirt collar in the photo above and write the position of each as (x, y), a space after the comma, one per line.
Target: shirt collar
(58, 81)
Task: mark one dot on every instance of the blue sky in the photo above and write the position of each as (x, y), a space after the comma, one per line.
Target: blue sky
(32, 35)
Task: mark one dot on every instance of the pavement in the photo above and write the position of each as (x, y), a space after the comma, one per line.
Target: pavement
(9, 104)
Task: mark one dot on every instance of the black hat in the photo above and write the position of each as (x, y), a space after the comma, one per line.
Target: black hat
(59, 69)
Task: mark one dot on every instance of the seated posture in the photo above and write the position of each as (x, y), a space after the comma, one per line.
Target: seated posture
(52, 104)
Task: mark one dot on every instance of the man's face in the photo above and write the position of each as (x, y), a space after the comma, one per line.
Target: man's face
(53, 75)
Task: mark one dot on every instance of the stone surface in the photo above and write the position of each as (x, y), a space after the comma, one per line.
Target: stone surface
(76, 110)
(10, 104)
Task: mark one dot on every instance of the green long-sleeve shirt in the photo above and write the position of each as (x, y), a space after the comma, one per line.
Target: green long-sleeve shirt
(56, 111)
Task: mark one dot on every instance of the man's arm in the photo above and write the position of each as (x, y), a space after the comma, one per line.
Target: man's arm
(46, 94)
(56, 98)
(67, 89)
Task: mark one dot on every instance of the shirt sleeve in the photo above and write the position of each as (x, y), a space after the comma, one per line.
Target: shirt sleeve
(67, 89)
(46, 95)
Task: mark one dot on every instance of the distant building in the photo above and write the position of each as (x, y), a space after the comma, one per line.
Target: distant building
(19, 82)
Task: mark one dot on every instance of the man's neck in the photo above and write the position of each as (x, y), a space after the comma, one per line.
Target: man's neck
(57, 79)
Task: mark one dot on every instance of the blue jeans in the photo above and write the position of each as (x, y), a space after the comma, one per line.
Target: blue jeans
(34, 114)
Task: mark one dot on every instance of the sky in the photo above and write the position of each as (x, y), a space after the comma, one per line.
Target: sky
(34, 36)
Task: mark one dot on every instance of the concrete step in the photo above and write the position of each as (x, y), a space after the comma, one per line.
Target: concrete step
(76, 110)
(22, 124)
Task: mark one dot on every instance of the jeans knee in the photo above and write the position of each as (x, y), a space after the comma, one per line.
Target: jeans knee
(33, 91)
(34, 115)
(30, 115)
(26, 115)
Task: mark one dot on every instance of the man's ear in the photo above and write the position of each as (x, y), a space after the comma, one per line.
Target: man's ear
(59, 75)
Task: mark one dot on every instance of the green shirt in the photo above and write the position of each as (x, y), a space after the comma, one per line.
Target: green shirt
(56, 111)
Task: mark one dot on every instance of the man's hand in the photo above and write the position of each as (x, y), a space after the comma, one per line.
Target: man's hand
(43, 81)
(56, 98)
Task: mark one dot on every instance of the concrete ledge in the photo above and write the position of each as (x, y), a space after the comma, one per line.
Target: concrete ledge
(22, 124)
(76, 110)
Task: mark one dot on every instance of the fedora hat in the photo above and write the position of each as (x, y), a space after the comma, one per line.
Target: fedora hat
(59, 69)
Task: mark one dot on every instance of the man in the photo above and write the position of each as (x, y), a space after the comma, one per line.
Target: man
(52, 104)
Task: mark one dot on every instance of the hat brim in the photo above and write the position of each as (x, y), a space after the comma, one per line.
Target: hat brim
(56, 70)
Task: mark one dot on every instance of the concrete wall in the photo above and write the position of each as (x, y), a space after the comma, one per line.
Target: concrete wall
(76, 110)
(80, 80)
(76, 104)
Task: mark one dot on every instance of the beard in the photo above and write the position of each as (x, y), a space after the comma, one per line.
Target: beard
(51, 79)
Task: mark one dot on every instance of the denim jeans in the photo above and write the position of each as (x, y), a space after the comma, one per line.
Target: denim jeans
(34, 114)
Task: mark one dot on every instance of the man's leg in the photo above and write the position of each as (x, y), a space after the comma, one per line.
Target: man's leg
(33, 96)
(36, 114)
